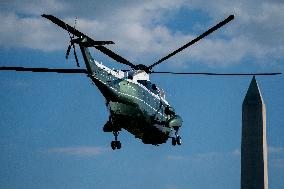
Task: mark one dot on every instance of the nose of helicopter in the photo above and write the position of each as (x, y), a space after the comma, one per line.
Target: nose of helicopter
(175, 122)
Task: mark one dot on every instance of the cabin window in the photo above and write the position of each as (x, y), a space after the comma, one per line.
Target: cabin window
(151, 87)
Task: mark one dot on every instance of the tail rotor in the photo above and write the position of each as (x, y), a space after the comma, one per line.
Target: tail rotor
(72, 45)
(68, 52)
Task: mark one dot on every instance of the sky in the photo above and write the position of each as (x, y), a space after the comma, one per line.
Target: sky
(51, 124)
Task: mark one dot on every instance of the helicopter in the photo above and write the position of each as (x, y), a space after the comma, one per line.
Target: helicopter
(135, 104)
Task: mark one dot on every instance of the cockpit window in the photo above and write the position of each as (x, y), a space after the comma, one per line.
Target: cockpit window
(143, 82)
(152, 87)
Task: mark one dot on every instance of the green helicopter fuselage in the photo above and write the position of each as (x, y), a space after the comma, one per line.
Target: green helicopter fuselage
(134, 103)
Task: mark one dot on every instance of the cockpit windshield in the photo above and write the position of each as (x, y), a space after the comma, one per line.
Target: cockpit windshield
(152, 87)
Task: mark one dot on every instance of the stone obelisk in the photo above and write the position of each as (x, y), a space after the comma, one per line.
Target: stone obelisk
(254, 147)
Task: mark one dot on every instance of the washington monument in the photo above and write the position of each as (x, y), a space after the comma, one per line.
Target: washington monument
(254, 147)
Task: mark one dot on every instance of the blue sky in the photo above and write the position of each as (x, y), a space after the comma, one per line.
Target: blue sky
(51, 125)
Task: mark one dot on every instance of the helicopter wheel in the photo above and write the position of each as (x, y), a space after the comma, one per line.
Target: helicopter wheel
(178, 140)
(174, 141)
(115, 144)
(118, 144)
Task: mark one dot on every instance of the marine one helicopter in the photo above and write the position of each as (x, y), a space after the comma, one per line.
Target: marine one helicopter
(134, 103)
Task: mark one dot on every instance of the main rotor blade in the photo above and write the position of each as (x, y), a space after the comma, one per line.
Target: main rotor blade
(114, 56)
(63, 25)
(221, 74)
(75, 55)
(72, 30)
(220, 24)
(52, 70)
(90, 41)
(68, 52)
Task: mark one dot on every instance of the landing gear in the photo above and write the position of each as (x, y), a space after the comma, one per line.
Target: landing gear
(115, 144)
(176, 140)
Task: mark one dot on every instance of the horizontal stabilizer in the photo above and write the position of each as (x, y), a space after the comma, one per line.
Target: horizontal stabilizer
(52, 70)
